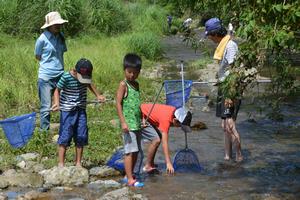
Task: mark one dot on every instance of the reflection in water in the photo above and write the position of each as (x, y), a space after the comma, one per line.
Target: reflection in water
(271, 167)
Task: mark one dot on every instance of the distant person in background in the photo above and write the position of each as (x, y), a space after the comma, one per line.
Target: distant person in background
(187, 23)
(169, 20)
(49, 51)
(186, 26)
(226, 109)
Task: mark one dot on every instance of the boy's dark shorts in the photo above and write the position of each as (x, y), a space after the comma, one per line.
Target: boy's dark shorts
(220, 107)
(73, 124)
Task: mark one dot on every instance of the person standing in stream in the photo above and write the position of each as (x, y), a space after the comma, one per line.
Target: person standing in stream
(227, 109)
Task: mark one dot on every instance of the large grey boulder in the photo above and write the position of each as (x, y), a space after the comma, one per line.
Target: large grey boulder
(122, 194)
(3, 196)
(22, 179)
(104, 171)
(65, 176)
(27, 156)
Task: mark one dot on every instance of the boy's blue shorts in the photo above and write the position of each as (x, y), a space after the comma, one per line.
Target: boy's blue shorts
(73, 124)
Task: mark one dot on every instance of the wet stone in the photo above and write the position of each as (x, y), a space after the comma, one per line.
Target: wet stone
(3, 196)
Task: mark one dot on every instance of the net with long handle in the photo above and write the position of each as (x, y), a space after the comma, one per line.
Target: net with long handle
(174, 91)
(177, 94)
(19, 129)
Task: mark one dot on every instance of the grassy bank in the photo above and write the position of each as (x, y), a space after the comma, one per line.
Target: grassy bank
(18, 82)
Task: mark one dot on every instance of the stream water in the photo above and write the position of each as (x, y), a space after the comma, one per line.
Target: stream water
(271, 150)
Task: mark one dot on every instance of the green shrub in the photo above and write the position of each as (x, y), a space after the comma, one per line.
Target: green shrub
(147, 18)
(7, 15)
(108, 16)
(26, 17)
(174, 30)
(145, 44)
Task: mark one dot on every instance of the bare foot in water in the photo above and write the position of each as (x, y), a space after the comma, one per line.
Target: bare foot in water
(239, 159)
(226, 158)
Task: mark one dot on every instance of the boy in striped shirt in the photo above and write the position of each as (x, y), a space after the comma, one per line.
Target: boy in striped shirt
(70, 97)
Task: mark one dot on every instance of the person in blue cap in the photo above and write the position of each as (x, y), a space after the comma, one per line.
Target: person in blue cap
(225, 54)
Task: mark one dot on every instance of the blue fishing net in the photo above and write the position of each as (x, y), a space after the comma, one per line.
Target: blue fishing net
(19, 129)
(116, 161)
(173, 90)
(186, 160)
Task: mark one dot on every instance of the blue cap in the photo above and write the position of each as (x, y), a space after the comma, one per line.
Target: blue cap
(212, 24)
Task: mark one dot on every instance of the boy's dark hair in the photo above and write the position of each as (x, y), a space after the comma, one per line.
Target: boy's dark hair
(221, 32)
(132, 60)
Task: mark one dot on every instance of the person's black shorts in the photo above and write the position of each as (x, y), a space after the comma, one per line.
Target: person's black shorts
(220, 107)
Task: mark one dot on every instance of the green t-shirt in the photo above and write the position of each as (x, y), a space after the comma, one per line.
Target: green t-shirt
(131, 108)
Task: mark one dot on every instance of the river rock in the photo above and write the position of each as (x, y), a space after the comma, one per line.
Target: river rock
(23, 179)
(65, 176)
(27, 156)
(9, 172)
(104, 171)
(99, 184)
(198, 125)
(30, 166)
(205, 109)
(3, 196)
(32, 195)
(122, 194)
(62, 189)
(3, 182)
(21, 164)
(76, 198)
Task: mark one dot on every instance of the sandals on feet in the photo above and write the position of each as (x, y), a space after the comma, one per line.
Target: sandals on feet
(125, 179)
(136, 184)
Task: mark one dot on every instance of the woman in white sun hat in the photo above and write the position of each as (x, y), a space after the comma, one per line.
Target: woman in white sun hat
(49, 50)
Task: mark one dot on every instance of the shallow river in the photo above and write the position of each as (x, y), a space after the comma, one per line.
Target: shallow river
(271, 166)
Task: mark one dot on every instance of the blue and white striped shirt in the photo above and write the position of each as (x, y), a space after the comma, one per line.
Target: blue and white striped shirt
(73, 94)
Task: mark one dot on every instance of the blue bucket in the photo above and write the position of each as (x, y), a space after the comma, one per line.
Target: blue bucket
(19, 129)
(173, 89)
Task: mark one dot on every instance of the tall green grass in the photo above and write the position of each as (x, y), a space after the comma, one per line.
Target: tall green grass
(19, 68)
(85, 16)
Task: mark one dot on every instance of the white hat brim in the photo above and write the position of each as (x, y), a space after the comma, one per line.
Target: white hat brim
(59, 21)
(83, 80)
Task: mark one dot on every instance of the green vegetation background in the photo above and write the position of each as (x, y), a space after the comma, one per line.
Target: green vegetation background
(105, 30)
(100, 30)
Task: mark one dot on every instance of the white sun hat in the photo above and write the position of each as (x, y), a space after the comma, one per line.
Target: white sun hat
(53, 18)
